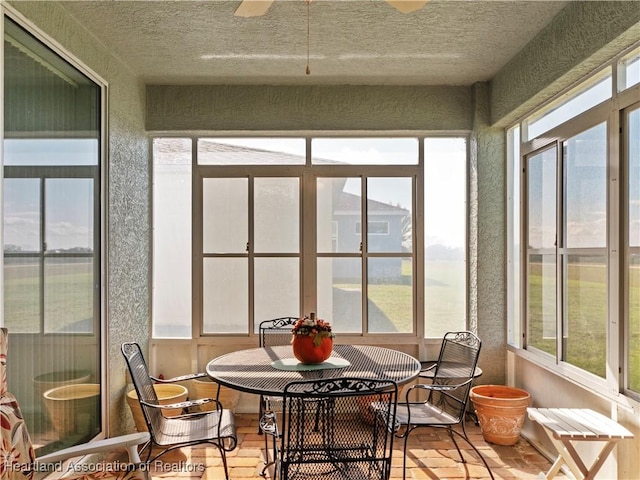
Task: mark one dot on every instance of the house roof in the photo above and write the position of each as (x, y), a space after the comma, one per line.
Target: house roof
(348, 203)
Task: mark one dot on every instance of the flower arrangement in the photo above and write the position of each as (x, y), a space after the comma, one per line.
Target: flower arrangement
(312, 326)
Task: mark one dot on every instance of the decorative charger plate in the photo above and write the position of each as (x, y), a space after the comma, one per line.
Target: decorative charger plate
(294, 365)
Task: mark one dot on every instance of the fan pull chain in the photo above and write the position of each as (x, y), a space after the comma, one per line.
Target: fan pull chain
(308, 70)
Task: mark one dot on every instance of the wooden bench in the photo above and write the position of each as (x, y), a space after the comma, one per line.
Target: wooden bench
(566, 425)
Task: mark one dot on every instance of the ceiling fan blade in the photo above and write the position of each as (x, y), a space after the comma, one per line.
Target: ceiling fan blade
(407, 6)
(253, 8)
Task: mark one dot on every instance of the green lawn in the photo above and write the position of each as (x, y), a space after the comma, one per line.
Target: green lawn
(68, 297)
(585, 335)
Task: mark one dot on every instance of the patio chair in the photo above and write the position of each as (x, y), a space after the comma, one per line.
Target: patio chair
(272, 333)
(354, 440)
(215, 427)
(18, 455)
(447, 396)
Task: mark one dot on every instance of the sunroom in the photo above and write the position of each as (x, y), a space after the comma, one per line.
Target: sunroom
(173, 174)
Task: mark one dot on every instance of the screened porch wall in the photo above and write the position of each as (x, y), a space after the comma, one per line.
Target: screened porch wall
(125, 203)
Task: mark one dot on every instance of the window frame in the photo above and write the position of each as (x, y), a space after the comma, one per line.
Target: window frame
(615, 384)
(99, 174)
(309, 172)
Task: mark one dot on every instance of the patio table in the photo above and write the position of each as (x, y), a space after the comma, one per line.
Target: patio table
(267, 370)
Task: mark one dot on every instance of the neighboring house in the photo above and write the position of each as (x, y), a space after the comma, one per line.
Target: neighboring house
(385, 234)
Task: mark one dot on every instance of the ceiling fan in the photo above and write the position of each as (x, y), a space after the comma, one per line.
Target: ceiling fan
(256, 8)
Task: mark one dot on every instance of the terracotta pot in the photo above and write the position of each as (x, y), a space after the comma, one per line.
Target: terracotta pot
(228, 397)
(305, 350)
(501, 411)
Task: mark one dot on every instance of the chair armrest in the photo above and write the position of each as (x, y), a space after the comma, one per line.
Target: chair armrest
(106, 445)
(181, 378)
(430, 367)
(182, 405)
(432, 387)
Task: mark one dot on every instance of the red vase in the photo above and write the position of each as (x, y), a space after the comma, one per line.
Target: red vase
(305, 350)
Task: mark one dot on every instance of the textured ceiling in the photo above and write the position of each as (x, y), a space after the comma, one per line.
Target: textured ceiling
(448, 42)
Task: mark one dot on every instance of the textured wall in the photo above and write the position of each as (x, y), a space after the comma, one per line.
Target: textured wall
(581, 38)
(128, 196)
(342, 107)
(487, 244)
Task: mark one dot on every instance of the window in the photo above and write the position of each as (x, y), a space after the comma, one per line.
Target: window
(171, 299)
(632, 155)
(576, 209)
(580, 99)
(514, 204)
(445, 237)
(374, 228)
(259, 245)
(52, 221)
(629, 70)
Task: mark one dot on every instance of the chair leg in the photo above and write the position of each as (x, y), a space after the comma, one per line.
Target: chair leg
(466, 439)
(450, 432)
(404, 456)
(223, 454)
(260, 413)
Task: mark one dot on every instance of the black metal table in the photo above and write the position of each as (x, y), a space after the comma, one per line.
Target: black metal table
(252, 371)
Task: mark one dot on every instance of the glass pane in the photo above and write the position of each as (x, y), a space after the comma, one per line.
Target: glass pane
(445, 220)
(629, 70)
(389, 219)
(339, 212)
(633, 153)
(513, 237)
(21, 215)
(340, 293)
(594, 91)
(542, 199)
(52, 144)
(22, 294)
(633, 340)
(586, 188)
(51, 151)
(251, 151)
(390, 295)
(277, 215)
(69, 215)
(541, 301)
(633, 367)
(226, 297)
(172, 238)
(585, 322)
(224, 215)
(68, 295)
(277, 288)
(364, 151)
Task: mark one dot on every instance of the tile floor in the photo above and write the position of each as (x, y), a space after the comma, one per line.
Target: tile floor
(432, 455)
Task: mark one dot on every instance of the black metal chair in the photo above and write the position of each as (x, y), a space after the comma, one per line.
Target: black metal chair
(216, 427)
(354, 438)
(272, 333)
(447, 396)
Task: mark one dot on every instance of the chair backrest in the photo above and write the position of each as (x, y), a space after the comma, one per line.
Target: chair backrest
(456, 364)
(16, 450)
(276, 332)
(338, 428)
(143, 384)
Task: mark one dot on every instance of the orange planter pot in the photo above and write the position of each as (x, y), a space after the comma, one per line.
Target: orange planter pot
(306, 351)
(501, 411)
